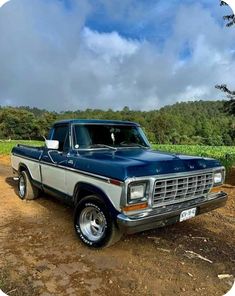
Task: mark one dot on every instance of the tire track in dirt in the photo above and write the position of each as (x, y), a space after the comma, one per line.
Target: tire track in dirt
(41, 253)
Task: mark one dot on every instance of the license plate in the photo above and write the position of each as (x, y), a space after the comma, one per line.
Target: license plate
(188, 214)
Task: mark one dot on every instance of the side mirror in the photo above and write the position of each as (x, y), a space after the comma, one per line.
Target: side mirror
(52, 144)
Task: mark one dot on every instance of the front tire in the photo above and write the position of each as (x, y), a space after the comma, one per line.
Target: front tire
(94, 224)
(25, 188)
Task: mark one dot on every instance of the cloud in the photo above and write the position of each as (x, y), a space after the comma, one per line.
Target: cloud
(109, 45)
(52, 56)
(2, 2)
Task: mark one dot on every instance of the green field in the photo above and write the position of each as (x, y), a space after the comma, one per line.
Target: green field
(226, 154)
(6, 146)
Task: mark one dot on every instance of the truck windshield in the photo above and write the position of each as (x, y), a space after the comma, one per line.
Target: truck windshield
(108, 136)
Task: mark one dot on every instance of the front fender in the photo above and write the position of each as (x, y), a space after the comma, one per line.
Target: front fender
(83, 189)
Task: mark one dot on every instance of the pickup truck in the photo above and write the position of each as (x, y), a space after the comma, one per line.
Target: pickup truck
(116, 183)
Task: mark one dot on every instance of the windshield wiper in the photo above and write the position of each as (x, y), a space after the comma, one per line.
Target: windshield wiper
(102, 146)
(133, 145)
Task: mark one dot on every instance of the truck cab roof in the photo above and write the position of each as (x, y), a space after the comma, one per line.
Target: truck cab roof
(96, 121)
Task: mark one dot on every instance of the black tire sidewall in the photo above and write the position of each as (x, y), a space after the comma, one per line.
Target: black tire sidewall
(97, 204)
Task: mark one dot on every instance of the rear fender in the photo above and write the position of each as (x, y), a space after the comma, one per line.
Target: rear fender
(23, 167)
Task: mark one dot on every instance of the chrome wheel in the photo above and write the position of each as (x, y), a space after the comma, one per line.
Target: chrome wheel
(92, 223)
(22, 186)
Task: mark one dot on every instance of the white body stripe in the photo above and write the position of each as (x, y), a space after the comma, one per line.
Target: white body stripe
(65, 180)
(53, 177)
(112, 191)
(33, 166)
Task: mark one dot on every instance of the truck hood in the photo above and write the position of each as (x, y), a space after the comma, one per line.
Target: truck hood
(126, 163)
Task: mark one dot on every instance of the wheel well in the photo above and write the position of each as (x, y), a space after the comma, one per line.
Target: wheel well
(85, 189)
(83, 192)
(22, 167)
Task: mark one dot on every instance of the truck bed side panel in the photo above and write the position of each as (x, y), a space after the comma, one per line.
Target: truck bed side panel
(28, 157)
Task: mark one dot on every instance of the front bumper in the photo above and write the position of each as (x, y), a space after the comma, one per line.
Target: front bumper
(136, 223)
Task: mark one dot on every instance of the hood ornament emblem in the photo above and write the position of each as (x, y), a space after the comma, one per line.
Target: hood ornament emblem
(177, 168)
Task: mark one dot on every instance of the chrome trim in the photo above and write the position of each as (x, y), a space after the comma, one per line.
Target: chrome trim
(154, 178)
(116, 148)
(49, 154)
(141, 199)
(179, 189)
(92, 223)
(159, 217)
(175, 174)
(100, 177)
(22, 186)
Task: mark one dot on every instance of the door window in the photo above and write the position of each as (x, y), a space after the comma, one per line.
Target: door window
(61, 134)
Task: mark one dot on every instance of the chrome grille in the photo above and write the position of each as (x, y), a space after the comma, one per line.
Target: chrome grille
(174, 190)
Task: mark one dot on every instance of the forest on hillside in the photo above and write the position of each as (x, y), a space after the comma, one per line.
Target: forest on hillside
(199, 122)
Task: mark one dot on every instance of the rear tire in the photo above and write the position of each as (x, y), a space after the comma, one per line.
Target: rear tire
(26, 190)
(94, 224)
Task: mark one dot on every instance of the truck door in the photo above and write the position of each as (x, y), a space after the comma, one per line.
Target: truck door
(53, 161)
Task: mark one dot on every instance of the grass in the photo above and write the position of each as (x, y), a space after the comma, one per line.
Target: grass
(6, 146)
(226, 154)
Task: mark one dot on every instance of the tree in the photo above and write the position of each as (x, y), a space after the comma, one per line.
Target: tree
(229, 18)
(229, 105)
(44, 123)
(200, 122)
(17, 124)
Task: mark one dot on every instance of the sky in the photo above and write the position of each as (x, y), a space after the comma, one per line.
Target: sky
(77, 54)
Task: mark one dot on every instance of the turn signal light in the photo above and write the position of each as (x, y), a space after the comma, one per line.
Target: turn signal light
(216, 189)
(135, 207)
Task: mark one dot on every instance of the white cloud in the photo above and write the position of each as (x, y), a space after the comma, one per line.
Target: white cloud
(2, 2)
(50, 58)
(109, 45)
(231, 4)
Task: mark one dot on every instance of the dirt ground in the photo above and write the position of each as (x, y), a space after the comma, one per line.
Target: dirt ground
(41, 255)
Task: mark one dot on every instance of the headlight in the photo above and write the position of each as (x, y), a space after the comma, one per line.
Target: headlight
(137, 192)
(218, 178)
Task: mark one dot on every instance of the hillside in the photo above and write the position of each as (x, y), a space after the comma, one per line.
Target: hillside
(200, 122)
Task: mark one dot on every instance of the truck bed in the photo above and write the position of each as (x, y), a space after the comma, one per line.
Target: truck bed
(33, 152)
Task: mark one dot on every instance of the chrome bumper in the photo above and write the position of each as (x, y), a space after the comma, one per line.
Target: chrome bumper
(135, 223)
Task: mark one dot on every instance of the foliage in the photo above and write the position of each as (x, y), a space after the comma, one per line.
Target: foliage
(229, 105)
(229, 18)
(226, 154)
(201, 122)
(17, 124)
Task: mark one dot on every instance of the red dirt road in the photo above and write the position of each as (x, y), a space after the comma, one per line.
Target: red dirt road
(41, 255)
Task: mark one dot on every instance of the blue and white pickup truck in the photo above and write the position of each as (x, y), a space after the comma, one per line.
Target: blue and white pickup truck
(116, 183)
